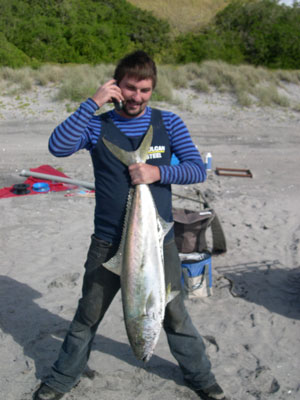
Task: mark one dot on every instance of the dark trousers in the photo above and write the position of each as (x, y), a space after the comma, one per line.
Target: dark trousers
(99, 288)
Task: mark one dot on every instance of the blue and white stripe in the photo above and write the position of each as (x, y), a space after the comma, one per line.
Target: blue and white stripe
(82, 130)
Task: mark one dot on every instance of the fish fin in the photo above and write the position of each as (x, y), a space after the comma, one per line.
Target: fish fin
(167, 226)
(163, 227)
(115, 263)
(149, 304)
(143, 150)
(132, 157)
(170, 295)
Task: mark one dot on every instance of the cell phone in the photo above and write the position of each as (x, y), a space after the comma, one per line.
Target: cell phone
(118, 105)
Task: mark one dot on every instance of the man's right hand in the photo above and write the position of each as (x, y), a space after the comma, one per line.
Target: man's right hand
(108, 92)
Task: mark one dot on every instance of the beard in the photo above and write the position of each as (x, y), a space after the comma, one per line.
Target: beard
(133, 112)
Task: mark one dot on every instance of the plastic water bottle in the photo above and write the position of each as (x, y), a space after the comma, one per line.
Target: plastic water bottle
(208, 161)
(174, 160)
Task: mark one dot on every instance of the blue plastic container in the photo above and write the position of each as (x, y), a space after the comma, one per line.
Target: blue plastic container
(41, 187)
(196, 268)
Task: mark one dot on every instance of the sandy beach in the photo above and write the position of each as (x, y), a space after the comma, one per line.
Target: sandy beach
(251, 324)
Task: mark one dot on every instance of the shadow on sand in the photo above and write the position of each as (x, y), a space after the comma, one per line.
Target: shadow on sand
(266, 283)
(40, 333)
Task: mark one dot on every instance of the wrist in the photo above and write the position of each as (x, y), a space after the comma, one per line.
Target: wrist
(97, 102)
(93, 103)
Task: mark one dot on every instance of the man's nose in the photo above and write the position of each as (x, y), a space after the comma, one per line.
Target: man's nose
(137, 96)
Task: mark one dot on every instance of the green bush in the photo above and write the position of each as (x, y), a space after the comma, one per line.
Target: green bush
(194, 47)
(80, 31)
(10, 55)
(268, 33)
(259, 32)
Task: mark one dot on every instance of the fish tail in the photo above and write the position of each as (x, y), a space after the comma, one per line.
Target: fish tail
(132, 157)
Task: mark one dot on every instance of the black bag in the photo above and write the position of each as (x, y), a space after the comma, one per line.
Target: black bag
(190, 231)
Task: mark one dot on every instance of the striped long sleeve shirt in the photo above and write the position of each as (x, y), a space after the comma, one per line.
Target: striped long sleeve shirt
(82, 130)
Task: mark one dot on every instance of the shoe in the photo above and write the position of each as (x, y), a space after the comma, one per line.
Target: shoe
(45, 392)
(213, 392)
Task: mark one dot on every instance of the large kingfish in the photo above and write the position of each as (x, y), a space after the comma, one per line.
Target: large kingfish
(139, 260)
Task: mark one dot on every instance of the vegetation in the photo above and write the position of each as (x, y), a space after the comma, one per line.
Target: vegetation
(267, 33)
(78, 31)
(248, 84)
(11, 55)
(259, 32)
(183, 15)
(73, 44)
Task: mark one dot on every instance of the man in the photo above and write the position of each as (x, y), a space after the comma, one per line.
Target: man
(133, 84)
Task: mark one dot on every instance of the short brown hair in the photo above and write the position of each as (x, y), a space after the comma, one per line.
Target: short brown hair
(137, 64)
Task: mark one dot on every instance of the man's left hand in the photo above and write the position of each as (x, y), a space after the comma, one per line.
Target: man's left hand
(143, 173)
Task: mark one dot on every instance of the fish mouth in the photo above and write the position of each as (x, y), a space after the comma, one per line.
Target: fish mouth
(147, 357)
(143, 356)
(143, 334)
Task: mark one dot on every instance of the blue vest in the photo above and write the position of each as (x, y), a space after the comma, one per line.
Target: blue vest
(112, 180)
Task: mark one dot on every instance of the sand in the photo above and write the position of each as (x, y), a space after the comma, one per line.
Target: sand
(250, 324)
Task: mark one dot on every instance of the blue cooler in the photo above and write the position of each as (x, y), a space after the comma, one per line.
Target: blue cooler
(196, 277)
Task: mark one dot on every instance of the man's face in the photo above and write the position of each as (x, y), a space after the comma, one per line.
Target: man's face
(137, 94)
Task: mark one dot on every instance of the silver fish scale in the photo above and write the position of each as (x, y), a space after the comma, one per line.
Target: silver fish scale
(139, 260)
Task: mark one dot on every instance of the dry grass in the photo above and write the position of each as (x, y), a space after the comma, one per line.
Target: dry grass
(14, 81)
(248, 84)
(183, 15)
(82, 81)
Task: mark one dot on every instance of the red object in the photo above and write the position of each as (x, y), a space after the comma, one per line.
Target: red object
(43, 169)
